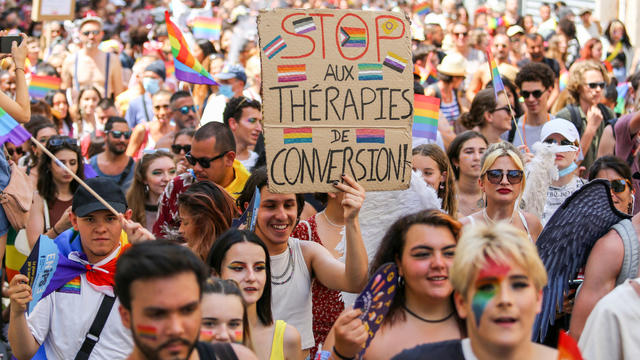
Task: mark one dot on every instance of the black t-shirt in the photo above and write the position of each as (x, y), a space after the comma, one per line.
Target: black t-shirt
(216, 351)
(450, 350)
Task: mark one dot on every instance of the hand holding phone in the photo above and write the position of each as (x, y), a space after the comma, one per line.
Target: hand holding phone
(6, 41)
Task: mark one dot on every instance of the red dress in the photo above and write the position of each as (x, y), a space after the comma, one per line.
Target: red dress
(327, 304)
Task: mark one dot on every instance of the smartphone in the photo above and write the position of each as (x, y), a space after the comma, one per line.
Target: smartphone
(5, 43)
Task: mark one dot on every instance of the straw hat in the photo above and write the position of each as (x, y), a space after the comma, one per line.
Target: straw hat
(453, 64)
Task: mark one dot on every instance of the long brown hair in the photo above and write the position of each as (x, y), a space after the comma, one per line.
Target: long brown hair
(448, 191)
(137, 195)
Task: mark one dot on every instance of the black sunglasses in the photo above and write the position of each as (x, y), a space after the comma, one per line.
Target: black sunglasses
(594, 85)
(94, 32)
(177, 148)
(536, 93)
(513, 176)
(204, 162)
(185, 109)
(18, 150)
(505, 108)
(460, 33)
(619, 185)
(564, 142)
(119, 134)
(59, 141)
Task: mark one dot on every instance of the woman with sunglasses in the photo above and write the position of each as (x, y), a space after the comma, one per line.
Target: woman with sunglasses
(564, 138)
(241, 256)
(618, 173)
(146, 135)
(465, 153)
(488, 115)
(152, 173)
(49, 213)
(180, 147)
(502, 182)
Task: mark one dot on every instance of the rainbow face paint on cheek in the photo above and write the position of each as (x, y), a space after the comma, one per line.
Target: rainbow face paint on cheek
(147, 332)
(206, 335)
(487, 286)
(238, 336)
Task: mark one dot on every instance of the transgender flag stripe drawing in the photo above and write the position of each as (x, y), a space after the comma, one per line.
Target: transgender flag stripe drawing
(304, 25)
(11, 131)
(275, 46)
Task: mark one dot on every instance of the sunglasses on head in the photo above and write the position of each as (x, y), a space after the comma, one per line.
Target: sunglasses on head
(564, 142)
(18, 150)
(536, 93)
(594, 85)
(94, 32)
(513, 176)
(619, 185)
(119, 134)
(177, 148)
(185, 109)
(204, 162)
(62, 140)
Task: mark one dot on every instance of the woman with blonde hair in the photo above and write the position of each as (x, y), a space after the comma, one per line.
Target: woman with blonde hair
(432, 162)
(498, 279)
(502, 181)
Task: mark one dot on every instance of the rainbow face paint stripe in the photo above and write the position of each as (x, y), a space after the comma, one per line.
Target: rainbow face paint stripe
(487, 286)
(147, 332)
(206, 335)
(238, 335)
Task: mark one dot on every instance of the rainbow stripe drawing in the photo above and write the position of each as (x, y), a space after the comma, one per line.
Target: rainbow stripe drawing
(395, 62)
(304, 25)
(297, 135)
(292, 72)
(352, 37)
(370, 136)
(369, 72)
(274, 47)
(72, 287)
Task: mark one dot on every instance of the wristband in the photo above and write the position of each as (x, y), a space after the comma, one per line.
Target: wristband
(342, 357)
(323, 355)
(17, 68)
(55, 231)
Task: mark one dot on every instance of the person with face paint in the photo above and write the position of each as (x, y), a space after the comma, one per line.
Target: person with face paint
(224, 313)
(563, 137)
(498, 279)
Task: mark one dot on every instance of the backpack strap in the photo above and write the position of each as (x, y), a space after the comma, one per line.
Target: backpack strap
(576, 119)
(631, 260)
(93, 335)
(125, 173)
(106, 78)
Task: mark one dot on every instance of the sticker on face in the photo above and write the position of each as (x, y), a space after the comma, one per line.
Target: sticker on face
(487, 286)
(147, 332)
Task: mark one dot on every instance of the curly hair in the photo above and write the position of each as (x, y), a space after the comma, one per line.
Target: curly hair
(576, 77)
(535, 71)
(484, 101)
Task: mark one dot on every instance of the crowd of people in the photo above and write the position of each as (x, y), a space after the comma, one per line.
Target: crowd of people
(154, 267)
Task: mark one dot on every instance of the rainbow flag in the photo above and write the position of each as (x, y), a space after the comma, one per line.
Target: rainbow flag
(495, 75)
(72, 287)
(422, 9)
(293, 72)
(568, 348)
(274, 47)
(297, 135)
(425, 116)
(11, 131)
(41, 85)
(370, 136)
(353, 37)
(187, 68)
(206, 28)
(623, 89)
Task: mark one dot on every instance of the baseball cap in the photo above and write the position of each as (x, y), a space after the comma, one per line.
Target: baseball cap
(90, 18)
(232, 71)
(562, 127)
(84, 203)
(515, 29)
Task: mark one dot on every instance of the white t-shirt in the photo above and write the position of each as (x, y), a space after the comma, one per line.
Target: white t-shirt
(251, 161)
(62, 319)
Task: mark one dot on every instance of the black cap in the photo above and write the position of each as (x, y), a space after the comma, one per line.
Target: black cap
(158, 68)
(84, 203)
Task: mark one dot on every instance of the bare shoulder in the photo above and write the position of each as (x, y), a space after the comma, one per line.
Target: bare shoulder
(242, 352)
(609, 245)
(544, 352)
(292, 337)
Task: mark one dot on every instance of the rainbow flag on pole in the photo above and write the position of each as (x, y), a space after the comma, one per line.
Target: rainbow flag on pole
(187, 68)
(206, 28)
(11, 131)
(425, 116)
(41, 85)
(568, 348)
(498, 86)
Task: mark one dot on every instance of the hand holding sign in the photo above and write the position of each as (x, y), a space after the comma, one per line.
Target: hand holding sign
(20, 294)
(351, 334)
(353, 197)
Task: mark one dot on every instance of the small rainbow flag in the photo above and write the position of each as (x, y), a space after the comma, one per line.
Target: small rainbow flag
(72, 287)
(187, 68)
(568, 348)
(370, 136)
(147, 332)
(274, 46)
(304, 25)
(623, 89)
(353, 37)
(11, 131)
(395, 62)
(422, 9)
(293, 72)
(498, 86)
(40, 85)
(297, 135)
(369, 72)
(425, 116)
(206, 28)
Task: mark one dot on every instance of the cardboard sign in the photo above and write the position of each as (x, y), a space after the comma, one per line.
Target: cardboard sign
(337, 98)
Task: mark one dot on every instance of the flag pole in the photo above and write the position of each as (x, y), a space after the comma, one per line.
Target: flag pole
(513, 117)
(59, 163)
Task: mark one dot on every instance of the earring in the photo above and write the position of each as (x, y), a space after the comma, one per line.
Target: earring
(146, 188)
(441, 186)
(400, 281)
(482, 202)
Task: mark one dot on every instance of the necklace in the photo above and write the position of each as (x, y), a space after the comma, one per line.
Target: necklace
(427, 320)
(290, 265)
(490, 220)
(324, 214)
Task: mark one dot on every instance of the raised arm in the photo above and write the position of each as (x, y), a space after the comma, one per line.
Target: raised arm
(20, 109)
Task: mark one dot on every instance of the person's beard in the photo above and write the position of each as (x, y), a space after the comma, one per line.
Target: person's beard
(152, 353)
(116, 148)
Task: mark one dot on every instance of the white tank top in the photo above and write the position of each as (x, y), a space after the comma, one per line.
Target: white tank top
(291, 301)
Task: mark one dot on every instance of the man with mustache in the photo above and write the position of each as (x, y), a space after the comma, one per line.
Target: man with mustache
(114, 163)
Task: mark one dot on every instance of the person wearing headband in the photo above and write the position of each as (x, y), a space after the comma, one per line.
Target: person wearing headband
(563, 137)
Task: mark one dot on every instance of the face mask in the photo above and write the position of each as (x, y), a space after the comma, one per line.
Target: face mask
(225, 90)
(568, 170)
(151, 85)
